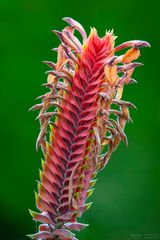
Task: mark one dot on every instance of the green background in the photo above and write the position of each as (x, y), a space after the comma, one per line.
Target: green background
(127, 196)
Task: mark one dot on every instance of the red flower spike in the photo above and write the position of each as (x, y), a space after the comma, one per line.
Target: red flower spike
(84, 85)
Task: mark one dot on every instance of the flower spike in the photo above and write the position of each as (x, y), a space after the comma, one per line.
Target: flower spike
(79, 124)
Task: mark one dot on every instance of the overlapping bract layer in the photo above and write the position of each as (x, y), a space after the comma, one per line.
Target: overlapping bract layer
(84, 86)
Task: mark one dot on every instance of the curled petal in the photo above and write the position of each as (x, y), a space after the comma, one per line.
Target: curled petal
(77, 26)
(50, 64)
(47, 115)
(120, 130)
(66, 40)
(74, 40)
(42, 133)
(69, 54)
(135, 43)
(121, 102)
(35, 107)
(127, 67)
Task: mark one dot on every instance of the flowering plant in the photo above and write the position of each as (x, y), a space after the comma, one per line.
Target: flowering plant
(82, 119)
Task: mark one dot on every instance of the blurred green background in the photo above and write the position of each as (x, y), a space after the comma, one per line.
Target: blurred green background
(127, 196)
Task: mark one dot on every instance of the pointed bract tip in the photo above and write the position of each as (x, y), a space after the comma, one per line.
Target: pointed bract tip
(71, 21)
(30, 236)
(36, 195)
(54, 31)
(137, 64)
(58, 33)
(67, 19)
(30, 109)
(54, 49)
(142, 44)
(76, 25)
(46, 62)
(93, 30)
(132, 81)
(110, 31)
(31, 212)
(133, 44)
(88, 205)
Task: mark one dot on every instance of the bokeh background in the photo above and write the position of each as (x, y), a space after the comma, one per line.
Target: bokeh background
(127, 196)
